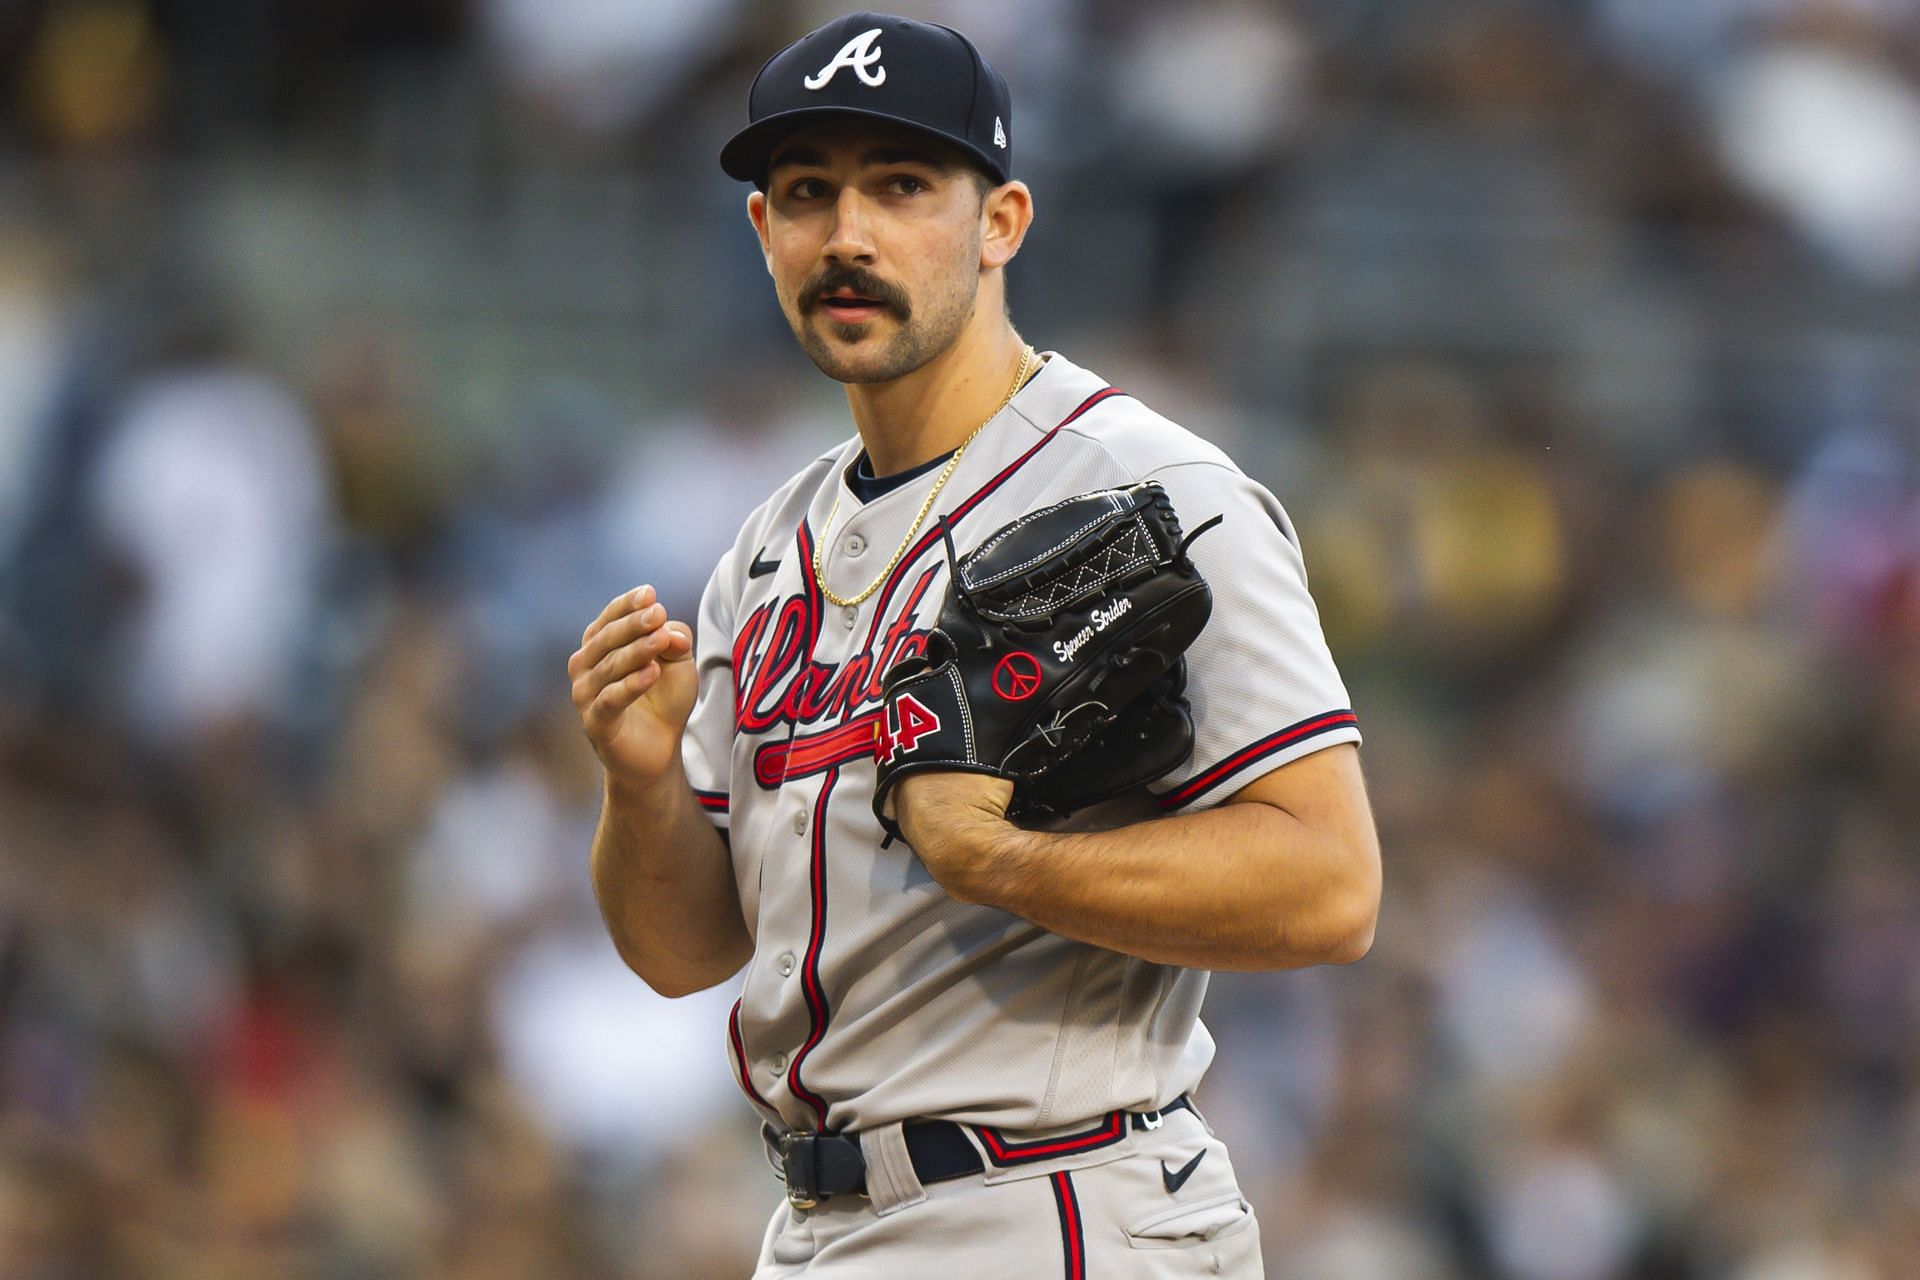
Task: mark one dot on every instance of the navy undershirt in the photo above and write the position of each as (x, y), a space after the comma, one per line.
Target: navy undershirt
(867, 486)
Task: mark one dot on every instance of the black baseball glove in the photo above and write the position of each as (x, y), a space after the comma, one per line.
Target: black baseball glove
(1056, 663)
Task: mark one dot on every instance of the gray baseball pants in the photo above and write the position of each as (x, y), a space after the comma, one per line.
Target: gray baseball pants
(1124, 1211)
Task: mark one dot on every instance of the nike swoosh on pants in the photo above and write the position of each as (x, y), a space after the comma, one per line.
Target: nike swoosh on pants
(1176, 1180)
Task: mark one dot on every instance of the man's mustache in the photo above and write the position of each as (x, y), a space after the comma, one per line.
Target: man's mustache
(856, 280)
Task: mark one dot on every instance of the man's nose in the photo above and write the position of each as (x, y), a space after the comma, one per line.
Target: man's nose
(849, 241)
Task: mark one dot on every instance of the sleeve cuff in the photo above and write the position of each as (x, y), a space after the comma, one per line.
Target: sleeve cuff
(1301, 738)
(715, 804)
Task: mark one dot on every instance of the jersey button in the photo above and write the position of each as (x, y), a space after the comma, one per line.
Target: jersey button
(777, 1063)
(799, 823)
(855, 544)
(785, 964)
(851, 616)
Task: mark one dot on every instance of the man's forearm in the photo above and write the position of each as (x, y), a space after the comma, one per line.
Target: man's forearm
(1243, 886)
(665, 885)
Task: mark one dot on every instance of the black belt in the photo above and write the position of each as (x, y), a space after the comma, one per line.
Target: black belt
(817, 1165)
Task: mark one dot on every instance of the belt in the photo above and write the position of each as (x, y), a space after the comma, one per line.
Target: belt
(818, 1165)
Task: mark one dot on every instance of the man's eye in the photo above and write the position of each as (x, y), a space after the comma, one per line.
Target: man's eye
(807, 189)
(908, 185)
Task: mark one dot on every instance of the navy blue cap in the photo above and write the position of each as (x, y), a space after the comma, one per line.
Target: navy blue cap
(877, 66)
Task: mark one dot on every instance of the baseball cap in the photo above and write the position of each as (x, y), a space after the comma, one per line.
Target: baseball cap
(882, 67)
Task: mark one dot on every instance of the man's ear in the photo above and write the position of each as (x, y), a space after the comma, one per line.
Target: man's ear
(1005, 215)
(757, 215)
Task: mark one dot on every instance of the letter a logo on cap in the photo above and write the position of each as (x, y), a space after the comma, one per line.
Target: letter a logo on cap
(859, 54)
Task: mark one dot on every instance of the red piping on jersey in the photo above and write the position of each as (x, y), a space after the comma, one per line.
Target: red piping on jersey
(1004, 1153)
(817, 1008)
(1193, 788)
(776, 762)
(816, 607)
(712, 801)
(740, 1056)
(932, 536)
(809, 581)
(1073, 1237)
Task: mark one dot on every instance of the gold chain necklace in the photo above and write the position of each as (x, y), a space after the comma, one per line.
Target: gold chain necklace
(819, 571)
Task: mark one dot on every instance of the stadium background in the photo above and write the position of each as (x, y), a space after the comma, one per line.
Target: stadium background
(353, 352)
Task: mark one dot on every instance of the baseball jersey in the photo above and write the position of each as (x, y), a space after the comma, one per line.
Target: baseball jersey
(872, 995)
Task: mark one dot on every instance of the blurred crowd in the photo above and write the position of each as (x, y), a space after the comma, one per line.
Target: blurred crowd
(353, 354)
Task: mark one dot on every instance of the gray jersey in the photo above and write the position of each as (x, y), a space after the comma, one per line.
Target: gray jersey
(872, 995)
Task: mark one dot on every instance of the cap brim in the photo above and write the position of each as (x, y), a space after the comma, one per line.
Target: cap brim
(746, 153)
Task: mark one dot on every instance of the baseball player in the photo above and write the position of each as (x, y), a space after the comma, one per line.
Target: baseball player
(973, 1049)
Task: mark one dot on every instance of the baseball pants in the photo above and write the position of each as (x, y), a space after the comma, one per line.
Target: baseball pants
(1163, 1204)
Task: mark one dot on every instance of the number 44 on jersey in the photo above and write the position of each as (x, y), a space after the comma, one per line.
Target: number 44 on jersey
(903, 723)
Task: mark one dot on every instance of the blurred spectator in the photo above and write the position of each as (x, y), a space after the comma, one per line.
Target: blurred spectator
(388, 478)
(683, 487)
(1435, 528)
(1832, 135)
(615, 1073)
(211, 496)
(96, 76)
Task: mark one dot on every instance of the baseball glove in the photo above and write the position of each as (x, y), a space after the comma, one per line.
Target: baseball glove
(1051, 632)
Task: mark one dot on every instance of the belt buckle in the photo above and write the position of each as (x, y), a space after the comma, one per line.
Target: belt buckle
(796, 1167)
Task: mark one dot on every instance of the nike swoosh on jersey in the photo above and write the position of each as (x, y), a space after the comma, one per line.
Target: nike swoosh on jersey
(761, 568)
(1177, 1180)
